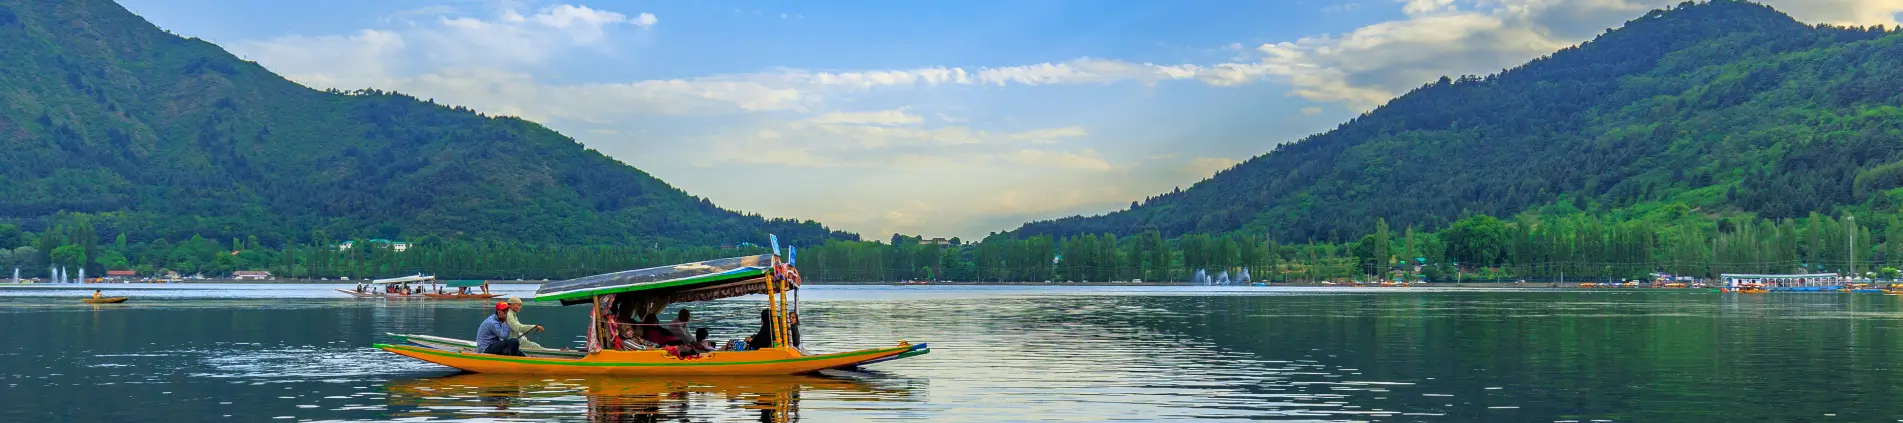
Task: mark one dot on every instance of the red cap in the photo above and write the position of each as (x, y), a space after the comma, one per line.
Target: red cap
(502, 305)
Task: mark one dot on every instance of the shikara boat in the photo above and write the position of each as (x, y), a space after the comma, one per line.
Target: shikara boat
(464, 290)
(452, 296)
(106, 300)
(648, 291)
(381, 286)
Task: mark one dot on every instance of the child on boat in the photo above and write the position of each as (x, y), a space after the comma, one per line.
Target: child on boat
(701, 342)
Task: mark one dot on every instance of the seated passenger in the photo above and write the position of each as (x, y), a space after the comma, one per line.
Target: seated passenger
(793, 329)
(764, 337)
(652, 331)
(701, 342)
(630, 342)
(678, 328)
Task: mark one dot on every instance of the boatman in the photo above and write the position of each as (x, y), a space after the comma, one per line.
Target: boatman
(493, 336)
(516, 327)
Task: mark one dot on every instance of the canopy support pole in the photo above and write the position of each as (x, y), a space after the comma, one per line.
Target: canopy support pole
(594, 323)
(785, 337)
(773, 309)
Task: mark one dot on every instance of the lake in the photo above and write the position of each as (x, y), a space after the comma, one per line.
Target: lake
(1018, 353)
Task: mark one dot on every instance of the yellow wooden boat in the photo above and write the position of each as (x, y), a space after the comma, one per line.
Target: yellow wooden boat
(616, 297)
(766, 361)
(422, 389)
(106, 300)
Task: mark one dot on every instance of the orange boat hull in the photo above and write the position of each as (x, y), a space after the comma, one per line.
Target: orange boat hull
(771, 361)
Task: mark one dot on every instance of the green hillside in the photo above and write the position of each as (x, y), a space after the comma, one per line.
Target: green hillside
(1722, 109)
(160, 136)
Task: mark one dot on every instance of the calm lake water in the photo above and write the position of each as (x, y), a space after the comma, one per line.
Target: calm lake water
(301, 352)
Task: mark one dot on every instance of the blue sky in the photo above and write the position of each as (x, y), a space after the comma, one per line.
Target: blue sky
(919, 117)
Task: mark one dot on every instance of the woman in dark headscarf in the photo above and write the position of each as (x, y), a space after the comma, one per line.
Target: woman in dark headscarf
(763, 338)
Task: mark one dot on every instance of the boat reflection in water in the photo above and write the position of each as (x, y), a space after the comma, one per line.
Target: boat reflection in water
(627, 399)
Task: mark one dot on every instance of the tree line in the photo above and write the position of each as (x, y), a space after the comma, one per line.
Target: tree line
(78, 245)
(1537, 246)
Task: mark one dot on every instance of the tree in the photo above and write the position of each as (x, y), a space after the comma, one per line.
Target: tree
(10, 236)
(113, 260)
(69, 255)
(1476, 239)
(27, 256)
(1381, 255)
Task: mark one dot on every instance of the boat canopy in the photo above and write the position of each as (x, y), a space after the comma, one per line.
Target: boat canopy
(406, 279)
(698, 281)
(464, 283)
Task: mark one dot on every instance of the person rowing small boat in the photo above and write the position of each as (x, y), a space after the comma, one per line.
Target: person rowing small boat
(100, 298)
(520, 330)
(492, 337)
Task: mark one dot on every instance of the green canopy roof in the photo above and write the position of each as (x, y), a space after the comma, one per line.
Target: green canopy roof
(464, 283)
(698, 281)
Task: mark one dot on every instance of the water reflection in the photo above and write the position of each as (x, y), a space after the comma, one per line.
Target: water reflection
(1003, 354)
(612, 399)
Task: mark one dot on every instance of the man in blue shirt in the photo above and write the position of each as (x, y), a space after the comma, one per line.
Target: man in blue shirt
(493, 336)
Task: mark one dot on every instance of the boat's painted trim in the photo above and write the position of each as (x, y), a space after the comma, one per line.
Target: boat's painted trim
(594, 363)
(462, 345)
(775, 361)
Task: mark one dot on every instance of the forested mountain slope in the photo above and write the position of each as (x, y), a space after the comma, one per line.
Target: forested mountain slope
(158, 135)
(1725, 108)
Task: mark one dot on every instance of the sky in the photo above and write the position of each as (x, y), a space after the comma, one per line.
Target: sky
(934, 118)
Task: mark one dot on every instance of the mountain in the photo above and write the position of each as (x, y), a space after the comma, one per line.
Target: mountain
(159, 135)
(1726, 108)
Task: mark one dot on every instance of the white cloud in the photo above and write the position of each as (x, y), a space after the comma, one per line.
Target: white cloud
(1843, 12)
(883, 117)
(1311, 111)
(507, 40)
(1367, 66)
(1050, 136)
(1085, 159)
(1342, 7)
(887, 140)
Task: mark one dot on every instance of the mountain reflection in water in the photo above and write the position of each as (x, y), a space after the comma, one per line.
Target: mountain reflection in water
(1000, 354)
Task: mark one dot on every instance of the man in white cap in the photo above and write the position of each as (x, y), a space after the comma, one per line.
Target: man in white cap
(516, 326)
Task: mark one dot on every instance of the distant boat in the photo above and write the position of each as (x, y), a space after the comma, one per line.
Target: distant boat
(106, 300)
(372, 290)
